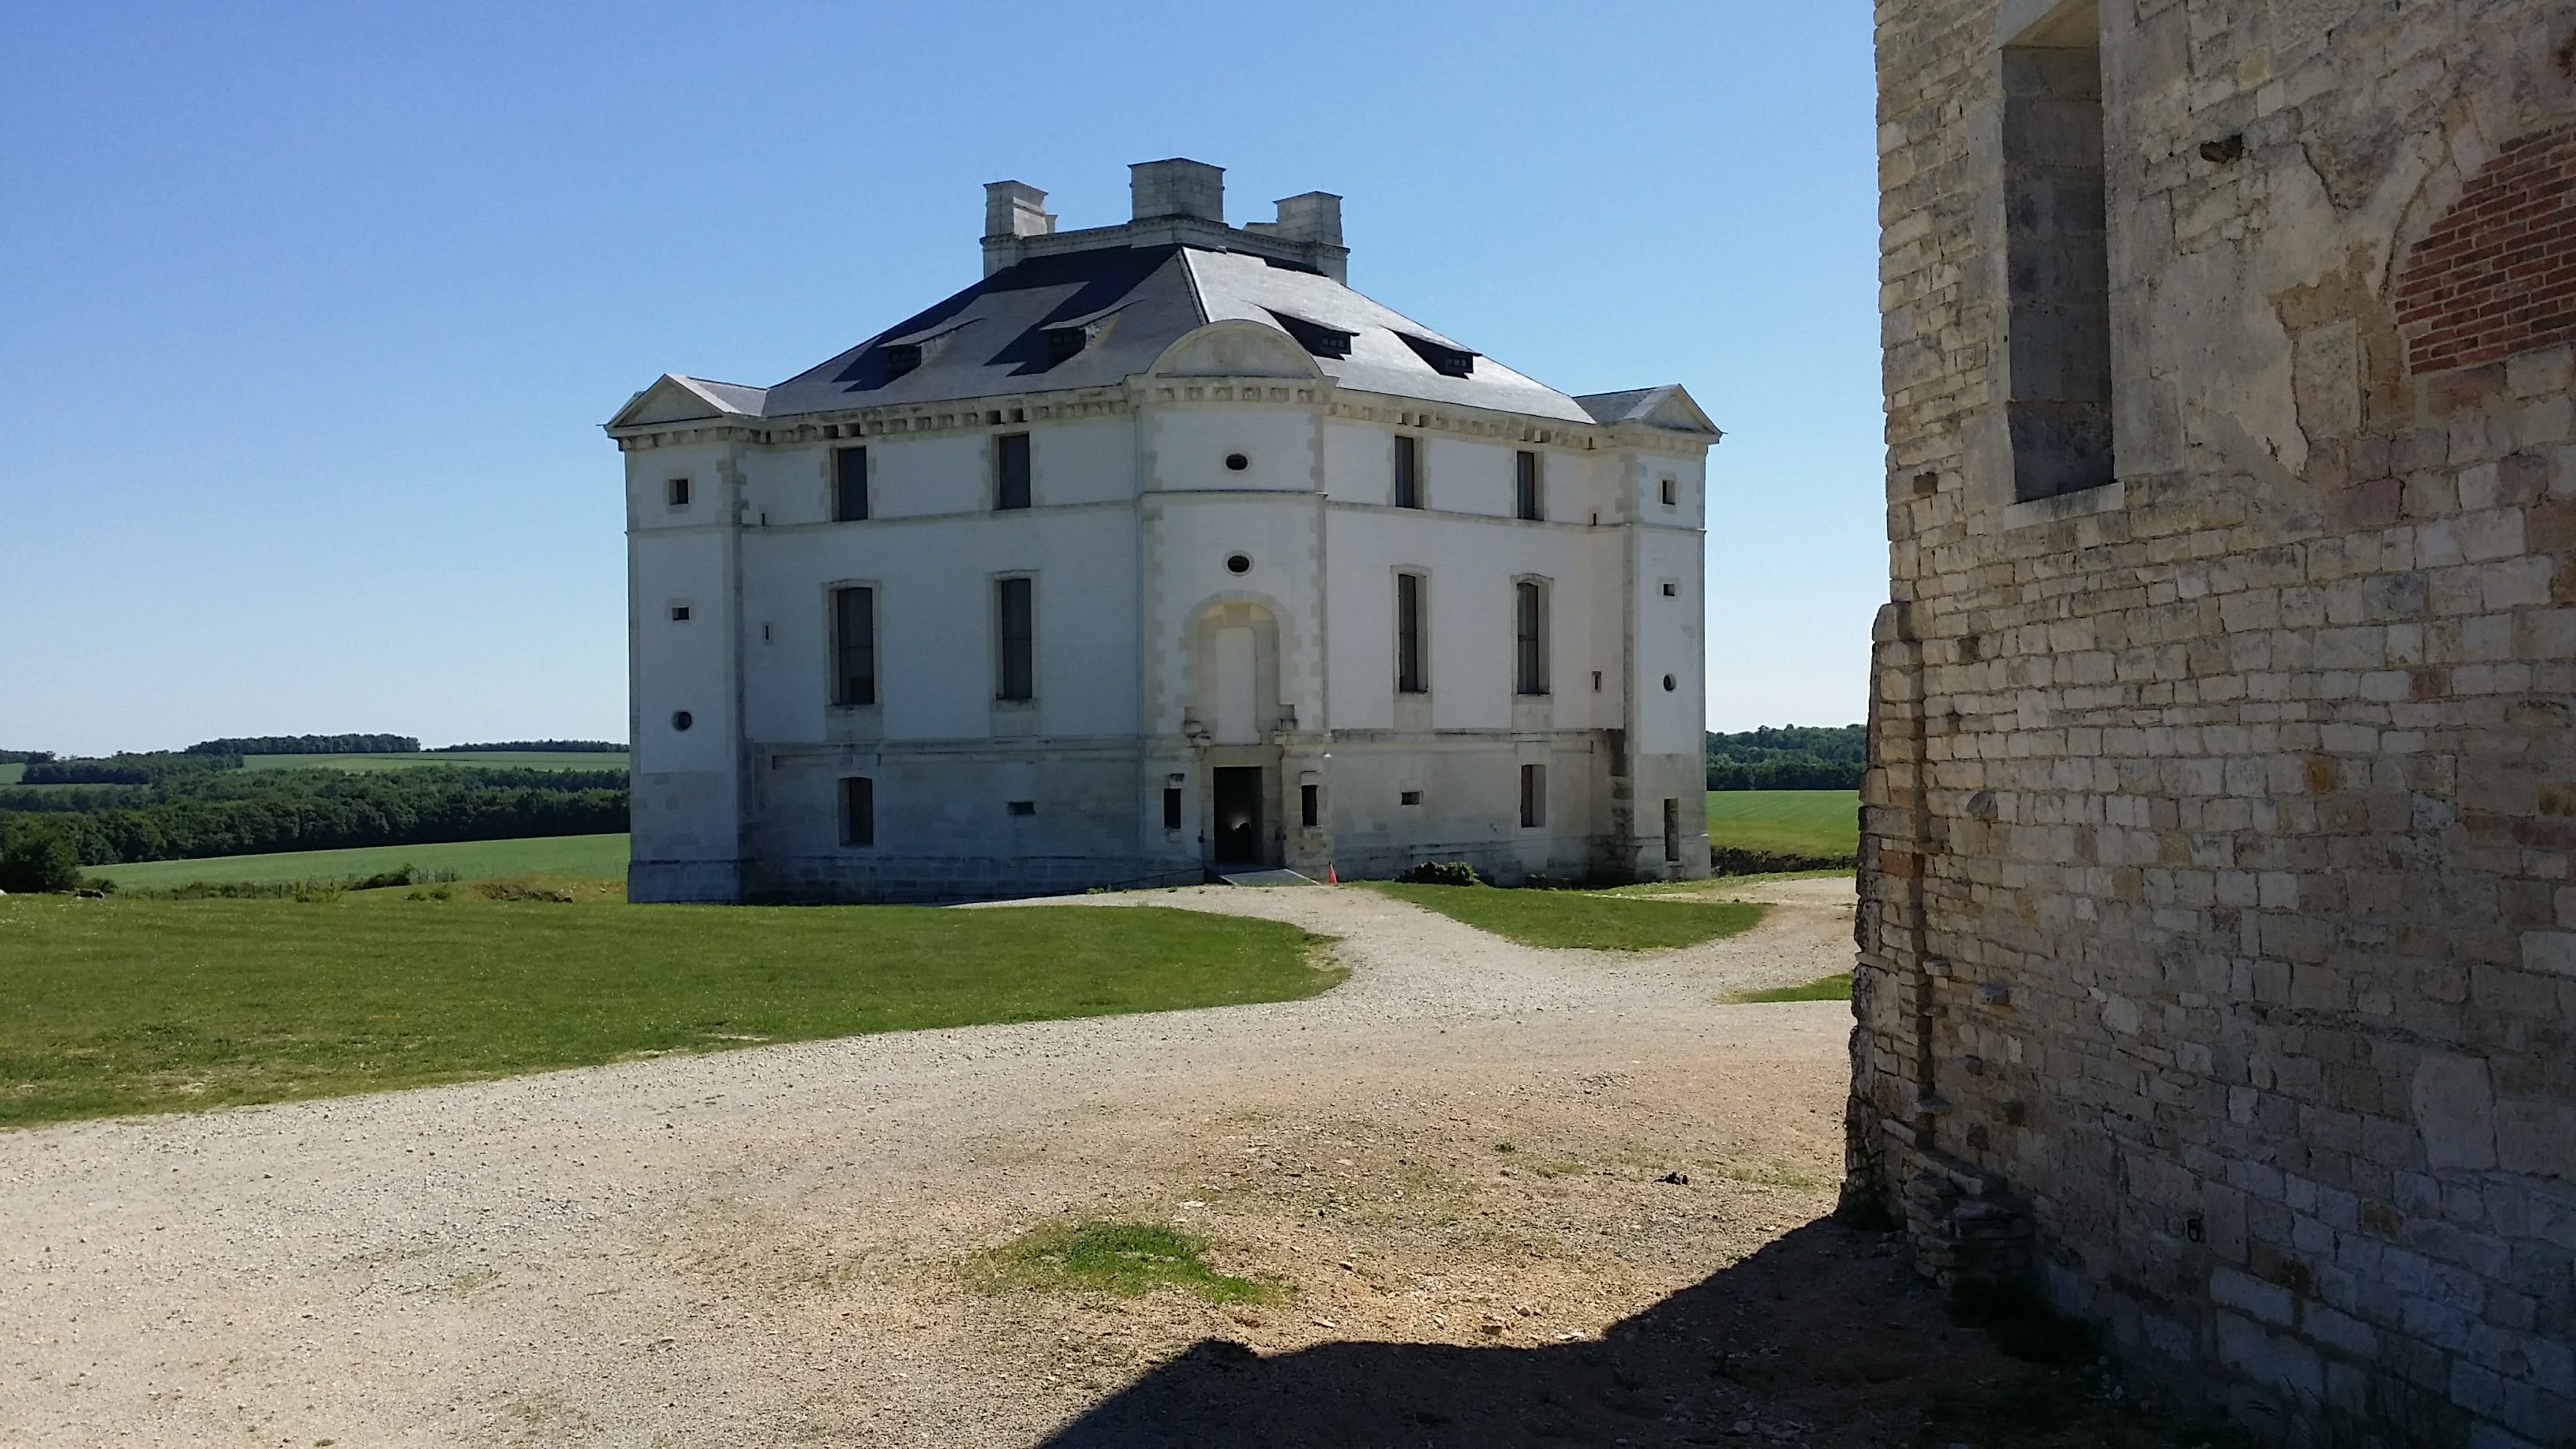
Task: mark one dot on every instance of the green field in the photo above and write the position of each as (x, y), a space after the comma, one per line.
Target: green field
(1837, 987)
(1579, 919)
(1785, 822)
(12, 774)
(126, 1005)
(573, 855)
(480, 759)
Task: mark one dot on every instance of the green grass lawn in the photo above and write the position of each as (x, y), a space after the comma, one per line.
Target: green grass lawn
(1579, 918)
(483, 759)
(1836, 987)
(120, 1006)
(1786, 822)
(590, 856)
(11, 774)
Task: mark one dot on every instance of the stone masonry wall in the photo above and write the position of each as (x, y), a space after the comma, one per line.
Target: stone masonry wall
(2218, 933)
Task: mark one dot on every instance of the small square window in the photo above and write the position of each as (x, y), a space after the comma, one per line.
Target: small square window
(1024, 807)
(1672, 590)
(679, 613)
(1409, 797)
(677, 491)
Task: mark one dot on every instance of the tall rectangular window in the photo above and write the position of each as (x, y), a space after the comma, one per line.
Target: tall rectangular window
(1529, 637)
(1672, 492)
(1528, 496)
(1172, 808)
(1011, 471)
(1533, 796)
(1672, 830)
(854, 646)
(2057, 259)
(849, 485)
(1408, 635)
(1016, 631)
(1310, 805)
(858, 810)
(1408, 471)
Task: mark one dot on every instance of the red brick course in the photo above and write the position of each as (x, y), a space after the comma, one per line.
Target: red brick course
(2497, 274)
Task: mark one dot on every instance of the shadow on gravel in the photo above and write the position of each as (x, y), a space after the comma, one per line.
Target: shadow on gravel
(1824, 1339)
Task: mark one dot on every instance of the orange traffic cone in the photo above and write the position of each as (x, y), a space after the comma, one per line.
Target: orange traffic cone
(1329, 877)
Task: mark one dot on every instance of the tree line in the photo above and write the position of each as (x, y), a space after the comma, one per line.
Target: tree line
(187, 815)
(308, 745)
(1789, 757)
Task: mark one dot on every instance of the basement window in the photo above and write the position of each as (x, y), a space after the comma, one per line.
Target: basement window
(858, 810)
(1533, 796)
(1445, 360)
(2057, 259)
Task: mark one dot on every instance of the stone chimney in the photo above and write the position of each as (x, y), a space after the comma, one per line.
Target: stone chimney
(1012, 210)
(1315, 216)
(1177, 188)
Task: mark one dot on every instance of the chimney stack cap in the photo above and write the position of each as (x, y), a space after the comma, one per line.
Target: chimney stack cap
(1015, 208)
(1177, 187)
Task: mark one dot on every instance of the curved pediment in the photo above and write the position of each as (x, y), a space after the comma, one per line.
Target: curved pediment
(1235, 348)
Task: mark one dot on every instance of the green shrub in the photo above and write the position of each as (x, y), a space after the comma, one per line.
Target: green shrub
(1442, 872)
(35, 857)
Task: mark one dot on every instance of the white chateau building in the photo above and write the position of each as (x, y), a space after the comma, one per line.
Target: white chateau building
(1158, 551)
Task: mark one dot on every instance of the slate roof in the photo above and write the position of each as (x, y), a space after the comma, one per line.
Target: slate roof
(1133, 302)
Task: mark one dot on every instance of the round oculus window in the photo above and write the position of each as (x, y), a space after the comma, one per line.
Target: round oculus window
(681, 720)
(1236, 462)
(1669, 683)
(1236, 563)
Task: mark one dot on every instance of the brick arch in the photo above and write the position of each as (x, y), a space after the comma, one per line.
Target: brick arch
(2497, 273)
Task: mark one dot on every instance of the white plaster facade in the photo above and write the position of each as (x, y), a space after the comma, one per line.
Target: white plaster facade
(1213, 537)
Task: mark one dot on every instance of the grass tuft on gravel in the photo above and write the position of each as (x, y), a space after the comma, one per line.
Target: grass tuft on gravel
(1580, 919)
(119, 1006)
(1836, 987)
(1127, 1259)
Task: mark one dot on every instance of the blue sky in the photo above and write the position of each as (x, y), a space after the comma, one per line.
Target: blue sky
(309, 314)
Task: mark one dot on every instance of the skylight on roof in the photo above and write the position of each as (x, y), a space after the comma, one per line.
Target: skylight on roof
(1445, 360)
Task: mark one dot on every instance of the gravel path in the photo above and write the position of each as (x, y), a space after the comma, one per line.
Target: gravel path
(774, 1245)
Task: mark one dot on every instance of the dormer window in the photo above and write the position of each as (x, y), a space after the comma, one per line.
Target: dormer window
(900, 358)
(1063, 344)
(1315, 337)
(1445, 360)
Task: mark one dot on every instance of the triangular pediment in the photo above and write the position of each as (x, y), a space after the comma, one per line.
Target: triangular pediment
(1674, 409)
(1236, 349)
(676, 399)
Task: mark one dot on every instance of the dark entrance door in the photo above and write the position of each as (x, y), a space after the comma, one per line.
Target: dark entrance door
(1238, 815)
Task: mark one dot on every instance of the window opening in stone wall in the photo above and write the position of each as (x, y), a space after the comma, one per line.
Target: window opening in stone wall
(1024, 807)
(1533, 796)
(849, 484)
(677, 491)
(1408, 635)
(854, 646)
(1672, 493)
(1408, 797)
(2057, 260)
(1171, 809)
(1310, 805)
(1017, 677)
(1529, 637)
(1011, 471)
(1672, 830)
(1408, 471)
(1529, 502)
(858, 810)
(679, 613)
